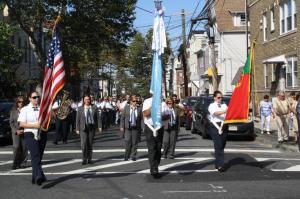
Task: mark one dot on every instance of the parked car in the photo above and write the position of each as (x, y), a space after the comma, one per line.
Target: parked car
(5, 107)
(200, 120)
(188, 103)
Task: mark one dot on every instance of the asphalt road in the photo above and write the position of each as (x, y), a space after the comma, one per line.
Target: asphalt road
(254, 170)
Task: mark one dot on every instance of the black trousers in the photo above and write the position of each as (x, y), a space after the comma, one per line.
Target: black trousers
(36, 149)
(87, 140)
(219, 144)
(62, 129)
(105, 119)
(154, 145)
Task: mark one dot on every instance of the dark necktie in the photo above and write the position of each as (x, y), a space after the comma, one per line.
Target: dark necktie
(89, 117)
(35, 108)
(172, 119)
(133, 122)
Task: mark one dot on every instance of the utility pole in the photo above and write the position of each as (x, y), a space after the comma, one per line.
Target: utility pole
(214, 68)
(247, 28)
(183, 55)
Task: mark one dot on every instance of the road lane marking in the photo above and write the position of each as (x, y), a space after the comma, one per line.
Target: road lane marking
(167, 166)
(290, 169)
(146, 150)
(111, 172)
(49, 165)
(92, 169)
(6, 162)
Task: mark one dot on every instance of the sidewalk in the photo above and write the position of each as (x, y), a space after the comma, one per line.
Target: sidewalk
(271, 139)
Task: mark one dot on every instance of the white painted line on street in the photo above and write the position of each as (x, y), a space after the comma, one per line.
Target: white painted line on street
(186, 192)
(6, 162)
(167, 166)
(111, 172)
(283, 159)
(293, 168)
(49, 165)
(91, 169)
(146, 150)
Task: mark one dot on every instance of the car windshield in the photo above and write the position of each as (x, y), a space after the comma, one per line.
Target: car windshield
(191, 101)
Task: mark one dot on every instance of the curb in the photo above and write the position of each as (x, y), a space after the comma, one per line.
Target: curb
(264, 140)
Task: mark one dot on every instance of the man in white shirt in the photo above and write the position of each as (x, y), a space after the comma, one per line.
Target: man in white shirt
(217, 111)
(154, 144)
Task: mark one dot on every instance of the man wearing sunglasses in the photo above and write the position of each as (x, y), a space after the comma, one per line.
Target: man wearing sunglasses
(217, 111)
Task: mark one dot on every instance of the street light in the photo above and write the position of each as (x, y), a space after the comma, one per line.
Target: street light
(158, 4)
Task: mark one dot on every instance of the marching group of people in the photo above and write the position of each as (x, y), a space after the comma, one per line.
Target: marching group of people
(286, 113)
(86, 118)
(134, 116)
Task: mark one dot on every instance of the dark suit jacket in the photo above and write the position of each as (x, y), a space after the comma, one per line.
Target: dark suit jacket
(125, 118)
(80, 118)
(13, 120)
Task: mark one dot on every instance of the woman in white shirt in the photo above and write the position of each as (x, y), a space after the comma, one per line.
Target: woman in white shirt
(217, 112)
(34, 139)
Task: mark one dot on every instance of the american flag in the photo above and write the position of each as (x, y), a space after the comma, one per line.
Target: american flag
(54, 80)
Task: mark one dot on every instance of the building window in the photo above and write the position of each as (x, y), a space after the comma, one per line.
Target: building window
(291, 72)
(288, 16)
(266, 76)
(265, 27)
(273, 72)
(239, 19)
(272, 20)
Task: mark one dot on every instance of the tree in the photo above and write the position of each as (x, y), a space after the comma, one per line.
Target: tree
(88, 27)
(137, 62)
(9, 56)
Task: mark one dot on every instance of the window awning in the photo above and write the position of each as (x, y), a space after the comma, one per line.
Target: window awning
(277, 59)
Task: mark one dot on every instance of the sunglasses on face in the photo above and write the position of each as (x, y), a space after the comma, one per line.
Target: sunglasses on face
(35, 97)
(219, 97)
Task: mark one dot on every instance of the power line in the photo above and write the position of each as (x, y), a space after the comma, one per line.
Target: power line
(148, 11)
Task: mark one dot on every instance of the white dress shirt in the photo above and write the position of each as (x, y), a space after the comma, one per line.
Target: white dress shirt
(164, 111)
(30, 115)
(215, 107)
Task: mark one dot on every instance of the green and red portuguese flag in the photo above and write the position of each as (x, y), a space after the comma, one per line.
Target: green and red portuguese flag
(238, 108)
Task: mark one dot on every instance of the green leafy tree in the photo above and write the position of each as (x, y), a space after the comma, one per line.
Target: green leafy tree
(9, 56)
(88, 27)
(138, 64)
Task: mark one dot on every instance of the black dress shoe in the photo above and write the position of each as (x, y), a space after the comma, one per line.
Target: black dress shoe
(39, 181)
(84, 162)
(55, 143)
(133, 159)
(14, 167)
(90, 162)
(156, 175)
(221, 169)
(125, 159)
(65, 142)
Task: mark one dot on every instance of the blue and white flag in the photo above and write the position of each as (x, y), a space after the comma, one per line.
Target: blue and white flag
(159, 42)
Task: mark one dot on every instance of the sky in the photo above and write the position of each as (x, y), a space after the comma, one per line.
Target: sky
(173, 24)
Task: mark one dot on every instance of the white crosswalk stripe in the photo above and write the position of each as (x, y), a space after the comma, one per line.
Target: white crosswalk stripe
(233, 150)
(165, 167)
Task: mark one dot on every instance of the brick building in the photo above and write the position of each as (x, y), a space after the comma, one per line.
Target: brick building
(274, 26)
